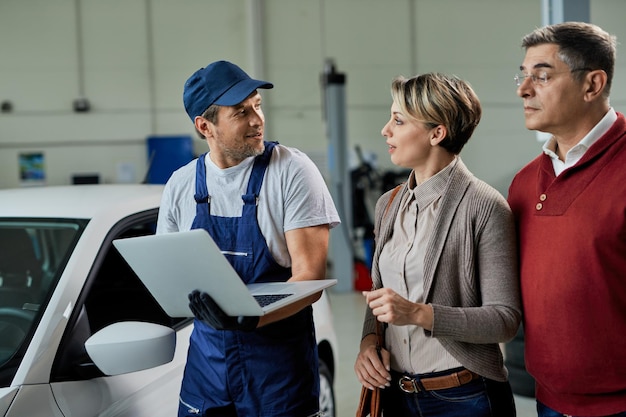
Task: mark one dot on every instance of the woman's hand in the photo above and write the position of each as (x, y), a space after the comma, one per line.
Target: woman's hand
(389, 307)
(371, 369)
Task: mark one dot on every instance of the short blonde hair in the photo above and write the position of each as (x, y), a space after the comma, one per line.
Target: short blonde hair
(438, 99)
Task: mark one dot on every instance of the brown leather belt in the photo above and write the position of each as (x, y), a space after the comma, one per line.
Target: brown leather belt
(413, 385)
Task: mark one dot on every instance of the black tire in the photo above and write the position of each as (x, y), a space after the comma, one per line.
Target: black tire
(522, 383)
(514, 354)
(327, 393)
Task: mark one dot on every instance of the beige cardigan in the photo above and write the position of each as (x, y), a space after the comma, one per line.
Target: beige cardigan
(471, 276)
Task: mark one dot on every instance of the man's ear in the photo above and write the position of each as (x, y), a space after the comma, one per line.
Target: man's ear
(203, 126)
(595, 83)
(437, 134)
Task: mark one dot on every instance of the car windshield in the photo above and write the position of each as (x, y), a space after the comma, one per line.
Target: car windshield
(33, 254)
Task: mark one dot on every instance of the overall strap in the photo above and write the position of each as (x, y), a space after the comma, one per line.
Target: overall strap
(202, 193)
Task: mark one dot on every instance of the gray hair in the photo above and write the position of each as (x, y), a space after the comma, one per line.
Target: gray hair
(581, 46)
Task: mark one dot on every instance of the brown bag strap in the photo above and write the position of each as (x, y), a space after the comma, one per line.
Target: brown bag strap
(393, 195)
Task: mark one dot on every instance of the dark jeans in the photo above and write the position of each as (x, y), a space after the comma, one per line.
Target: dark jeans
(481, 397)
(545, 411)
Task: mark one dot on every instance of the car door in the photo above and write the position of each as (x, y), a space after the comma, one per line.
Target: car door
(112, 293)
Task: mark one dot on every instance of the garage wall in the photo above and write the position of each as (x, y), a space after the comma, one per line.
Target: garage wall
(130, 58)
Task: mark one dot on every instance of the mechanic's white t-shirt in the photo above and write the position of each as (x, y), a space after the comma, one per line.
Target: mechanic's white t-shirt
(293, 195)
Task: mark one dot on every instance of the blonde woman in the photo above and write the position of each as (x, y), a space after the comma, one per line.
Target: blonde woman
(445, 266)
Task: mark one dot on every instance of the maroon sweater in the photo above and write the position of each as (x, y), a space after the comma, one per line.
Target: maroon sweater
(572, 242)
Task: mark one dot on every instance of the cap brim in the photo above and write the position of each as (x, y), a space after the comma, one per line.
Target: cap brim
(240, 91)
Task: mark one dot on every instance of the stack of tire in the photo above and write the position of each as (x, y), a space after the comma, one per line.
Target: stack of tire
(522, 383)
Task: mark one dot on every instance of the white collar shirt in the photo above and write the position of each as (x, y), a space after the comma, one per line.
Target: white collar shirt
(577, 151)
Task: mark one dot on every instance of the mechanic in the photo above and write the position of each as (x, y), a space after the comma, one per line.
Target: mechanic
(269, 210)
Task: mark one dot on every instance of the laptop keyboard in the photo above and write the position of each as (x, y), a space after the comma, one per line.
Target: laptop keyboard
(266, 299)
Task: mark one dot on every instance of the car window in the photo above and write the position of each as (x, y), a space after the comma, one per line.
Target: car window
(33, 253)
(112, 293)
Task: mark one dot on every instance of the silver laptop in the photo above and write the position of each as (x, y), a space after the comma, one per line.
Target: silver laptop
(171, 265)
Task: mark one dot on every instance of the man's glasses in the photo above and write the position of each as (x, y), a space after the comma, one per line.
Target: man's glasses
(541, 77)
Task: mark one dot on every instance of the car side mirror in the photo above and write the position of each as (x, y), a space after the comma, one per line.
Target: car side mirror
(131, 346)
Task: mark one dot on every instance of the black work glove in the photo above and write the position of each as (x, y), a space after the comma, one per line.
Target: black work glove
(206, 309)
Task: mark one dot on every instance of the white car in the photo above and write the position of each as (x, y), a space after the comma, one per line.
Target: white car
(64, 289)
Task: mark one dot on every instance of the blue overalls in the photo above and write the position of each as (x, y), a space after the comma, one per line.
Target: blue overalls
(272, 371)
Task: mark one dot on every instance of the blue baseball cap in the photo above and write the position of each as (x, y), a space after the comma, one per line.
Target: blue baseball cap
(222, 83)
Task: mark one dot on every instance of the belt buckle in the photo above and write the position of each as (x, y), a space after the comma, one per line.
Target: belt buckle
(410, 381)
